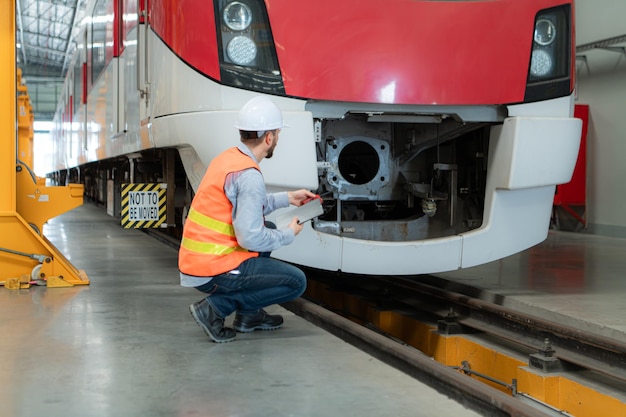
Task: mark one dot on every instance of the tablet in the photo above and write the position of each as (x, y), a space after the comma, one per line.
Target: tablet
(304, 213)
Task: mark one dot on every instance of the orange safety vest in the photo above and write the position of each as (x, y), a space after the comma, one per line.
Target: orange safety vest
(209, 246)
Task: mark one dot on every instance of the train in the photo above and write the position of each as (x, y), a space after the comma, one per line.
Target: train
(434, 131)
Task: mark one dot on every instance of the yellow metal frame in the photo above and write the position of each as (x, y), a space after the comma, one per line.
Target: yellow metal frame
(25, 202)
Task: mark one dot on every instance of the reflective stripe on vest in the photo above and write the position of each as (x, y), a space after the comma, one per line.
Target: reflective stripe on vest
(215, 226)
(212, 248)
(210, 223)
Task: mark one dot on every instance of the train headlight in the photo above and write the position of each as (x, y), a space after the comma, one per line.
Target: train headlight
(540, 64)
(545, 32)
(550, 67)
(246, 47)
(241, 50)
(237, 16)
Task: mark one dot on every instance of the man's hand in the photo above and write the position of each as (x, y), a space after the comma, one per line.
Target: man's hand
(298, 197)
(297, 227)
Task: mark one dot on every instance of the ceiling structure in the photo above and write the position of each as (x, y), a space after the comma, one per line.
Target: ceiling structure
(45, 32)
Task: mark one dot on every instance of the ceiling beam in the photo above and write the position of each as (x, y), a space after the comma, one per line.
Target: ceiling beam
(69, 38)
(46, 50)
(41, 68)
(604, 43)
(38, 35)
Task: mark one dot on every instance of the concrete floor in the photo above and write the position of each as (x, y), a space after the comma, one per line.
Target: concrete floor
(125, 345)
(573, 279)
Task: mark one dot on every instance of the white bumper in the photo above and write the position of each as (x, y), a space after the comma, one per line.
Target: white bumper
(528, 156)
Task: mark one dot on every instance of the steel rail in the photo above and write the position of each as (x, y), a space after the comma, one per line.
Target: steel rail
(467, 391)
(572, 345)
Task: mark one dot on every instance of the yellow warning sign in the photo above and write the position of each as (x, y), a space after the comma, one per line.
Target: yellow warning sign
(144, 205)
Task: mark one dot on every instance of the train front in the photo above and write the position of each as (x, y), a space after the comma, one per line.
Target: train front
(438, 130)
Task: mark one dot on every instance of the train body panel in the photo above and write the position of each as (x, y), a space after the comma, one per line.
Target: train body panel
(133, 113)
(295, 155)
(188, 28)
(519, 200)
(436, 132)
(473, 52)
(102, 114)
(189, 109)
(337, 59)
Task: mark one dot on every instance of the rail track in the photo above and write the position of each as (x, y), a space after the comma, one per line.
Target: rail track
(351, 307)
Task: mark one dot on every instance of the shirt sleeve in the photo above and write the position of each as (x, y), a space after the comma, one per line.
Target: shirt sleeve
(275, 201)
(246, 191)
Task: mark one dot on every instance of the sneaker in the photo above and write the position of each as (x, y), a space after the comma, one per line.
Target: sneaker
(259, 321)
(211, 323)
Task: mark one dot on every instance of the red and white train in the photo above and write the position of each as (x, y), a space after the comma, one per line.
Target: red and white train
(435, 131)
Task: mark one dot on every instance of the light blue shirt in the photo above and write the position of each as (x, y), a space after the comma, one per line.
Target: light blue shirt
(246, 191)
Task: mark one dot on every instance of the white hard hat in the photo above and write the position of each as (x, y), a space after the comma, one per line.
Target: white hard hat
(260, 114)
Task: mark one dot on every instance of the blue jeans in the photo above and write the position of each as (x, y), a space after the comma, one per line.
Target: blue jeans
(256, 283)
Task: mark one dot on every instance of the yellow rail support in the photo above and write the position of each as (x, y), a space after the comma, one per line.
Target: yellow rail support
(25, 123)
(568, 393)
(25, 202)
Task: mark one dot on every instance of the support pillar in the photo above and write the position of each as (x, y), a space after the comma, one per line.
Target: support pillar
(25, 254)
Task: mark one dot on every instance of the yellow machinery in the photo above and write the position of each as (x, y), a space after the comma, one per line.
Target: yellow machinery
(26, 203)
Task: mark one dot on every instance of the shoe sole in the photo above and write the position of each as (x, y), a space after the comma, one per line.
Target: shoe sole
(206, 329)
(251, 329)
